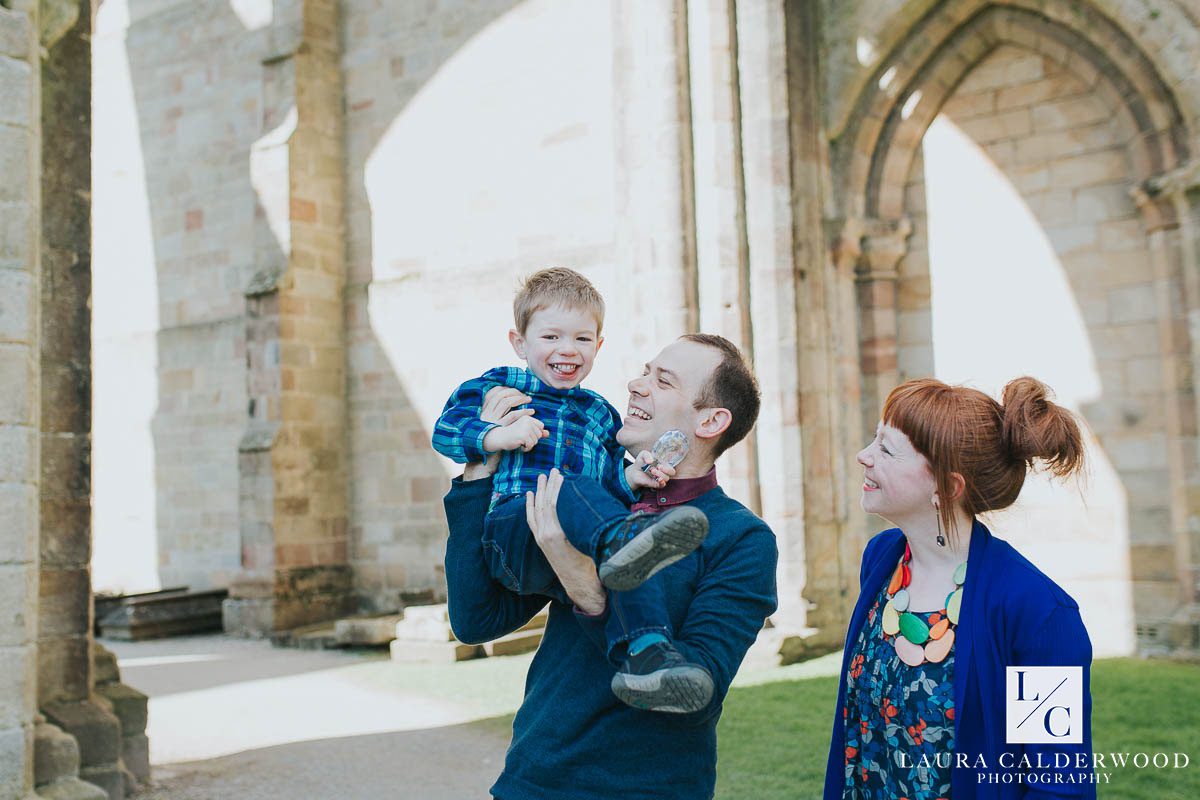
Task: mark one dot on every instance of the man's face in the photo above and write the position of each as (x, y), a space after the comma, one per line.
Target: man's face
(559, 345)
(663, 398)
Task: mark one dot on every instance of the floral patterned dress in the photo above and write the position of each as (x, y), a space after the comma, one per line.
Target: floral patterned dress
(899, 720)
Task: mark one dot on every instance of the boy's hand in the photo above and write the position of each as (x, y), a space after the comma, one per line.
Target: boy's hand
(523, 433)
(499, 402)
(655, 478)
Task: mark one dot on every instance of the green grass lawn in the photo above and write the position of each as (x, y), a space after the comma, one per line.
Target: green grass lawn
(774, 737)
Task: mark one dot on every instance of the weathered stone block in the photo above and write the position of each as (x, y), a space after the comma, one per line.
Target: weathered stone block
(15, 761)
(128, 704)
(18, 619)
(135, 754)
(434, 652)
(18, 449)
(16, 81)
(62, 670)
(14, 34)
(108, 777)
(367, 630)
(14, 163)
(17, 681)
(67, 525)
(19, 376)
(18, 534)
(55, 754)
(104, 665)
(96, 731)
(514, 644)
(64, 602)
(72, 789)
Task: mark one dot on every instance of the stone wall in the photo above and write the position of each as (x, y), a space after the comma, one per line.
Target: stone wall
(195, 90)
(1051, 135)
(480, 146)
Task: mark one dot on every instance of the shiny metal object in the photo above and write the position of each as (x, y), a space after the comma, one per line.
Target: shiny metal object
(670, 449)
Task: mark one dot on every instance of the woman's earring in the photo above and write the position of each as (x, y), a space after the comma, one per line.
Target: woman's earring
(941, 539)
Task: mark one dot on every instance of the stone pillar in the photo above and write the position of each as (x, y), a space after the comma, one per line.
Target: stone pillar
(20, 164)
(65, 596)
(829, 398)
(655, 200)
(292, 460)
(762, 68)
(884, 243)
(1170, 206)
(722, 248)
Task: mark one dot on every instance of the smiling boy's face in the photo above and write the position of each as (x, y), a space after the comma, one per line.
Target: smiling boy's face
(559, 345)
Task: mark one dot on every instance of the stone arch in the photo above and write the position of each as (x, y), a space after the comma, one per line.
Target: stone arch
(872, 162)
(873, 158)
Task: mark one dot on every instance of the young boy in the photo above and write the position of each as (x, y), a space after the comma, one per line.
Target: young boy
(558, 317)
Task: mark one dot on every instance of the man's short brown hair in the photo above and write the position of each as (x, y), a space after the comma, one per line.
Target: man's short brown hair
(556, 286)
(731, 385)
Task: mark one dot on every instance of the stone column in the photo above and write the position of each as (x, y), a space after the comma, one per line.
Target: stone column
(884, 243)
(1170, 206)
(762, 69)
(722, 248)
(20, 164)
(655, 199)
(292, 460)
(828, 349)
(65, 596)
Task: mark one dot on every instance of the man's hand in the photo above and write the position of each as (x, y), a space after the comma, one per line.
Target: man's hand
(657, 476)
(575, 571)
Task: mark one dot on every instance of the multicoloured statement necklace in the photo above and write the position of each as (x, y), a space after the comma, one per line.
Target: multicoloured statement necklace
(916, 641)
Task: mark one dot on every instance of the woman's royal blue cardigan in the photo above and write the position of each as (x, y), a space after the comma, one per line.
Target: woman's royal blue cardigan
(1012, 615)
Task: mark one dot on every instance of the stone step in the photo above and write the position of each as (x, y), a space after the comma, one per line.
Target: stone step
(106, 603)
(537, 623)
(157, 615)
(409, 651)
(319, 636)
(513, 644)
(366, 631)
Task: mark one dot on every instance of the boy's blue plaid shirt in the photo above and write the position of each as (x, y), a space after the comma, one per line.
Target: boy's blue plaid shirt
(582, 425)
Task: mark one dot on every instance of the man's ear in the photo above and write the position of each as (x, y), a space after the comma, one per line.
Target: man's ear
(713, 422)
(517, 341)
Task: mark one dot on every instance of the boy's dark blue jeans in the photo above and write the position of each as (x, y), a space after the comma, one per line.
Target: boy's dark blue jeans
(586, 512)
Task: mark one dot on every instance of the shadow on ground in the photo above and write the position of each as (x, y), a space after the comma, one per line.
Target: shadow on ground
(457, 762)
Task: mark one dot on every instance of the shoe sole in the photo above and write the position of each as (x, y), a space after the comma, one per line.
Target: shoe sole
(678, 690)
(659, 546)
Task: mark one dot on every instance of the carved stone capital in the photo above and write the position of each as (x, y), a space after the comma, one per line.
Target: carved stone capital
(845, 240)
(1158, 207)
(1176, 181)
(884, 243)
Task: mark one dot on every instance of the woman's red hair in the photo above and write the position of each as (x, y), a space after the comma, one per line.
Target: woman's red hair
(991, 445)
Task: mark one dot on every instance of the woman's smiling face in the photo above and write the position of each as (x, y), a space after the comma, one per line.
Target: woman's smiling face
(897, 480)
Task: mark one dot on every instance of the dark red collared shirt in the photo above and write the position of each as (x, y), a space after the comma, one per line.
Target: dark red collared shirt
(676, 492)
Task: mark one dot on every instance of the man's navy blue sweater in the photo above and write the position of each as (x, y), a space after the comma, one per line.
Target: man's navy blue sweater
(572, 738)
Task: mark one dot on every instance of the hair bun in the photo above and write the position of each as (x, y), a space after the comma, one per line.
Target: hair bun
(1034, 427)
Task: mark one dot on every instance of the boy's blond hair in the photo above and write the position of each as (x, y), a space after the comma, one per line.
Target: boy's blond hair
(556, 286)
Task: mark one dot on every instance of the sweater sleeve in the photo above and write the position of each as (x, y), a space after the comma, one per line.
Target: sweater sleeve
(733, 599)
(480, 609)
(459, 432)
(1062, 641)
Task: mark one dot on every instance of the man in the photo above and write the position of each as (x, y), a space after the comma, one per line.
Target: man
(571, 737)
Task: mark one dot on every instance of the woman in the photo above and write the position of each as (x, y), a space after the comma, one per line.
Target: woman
(945, 606)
